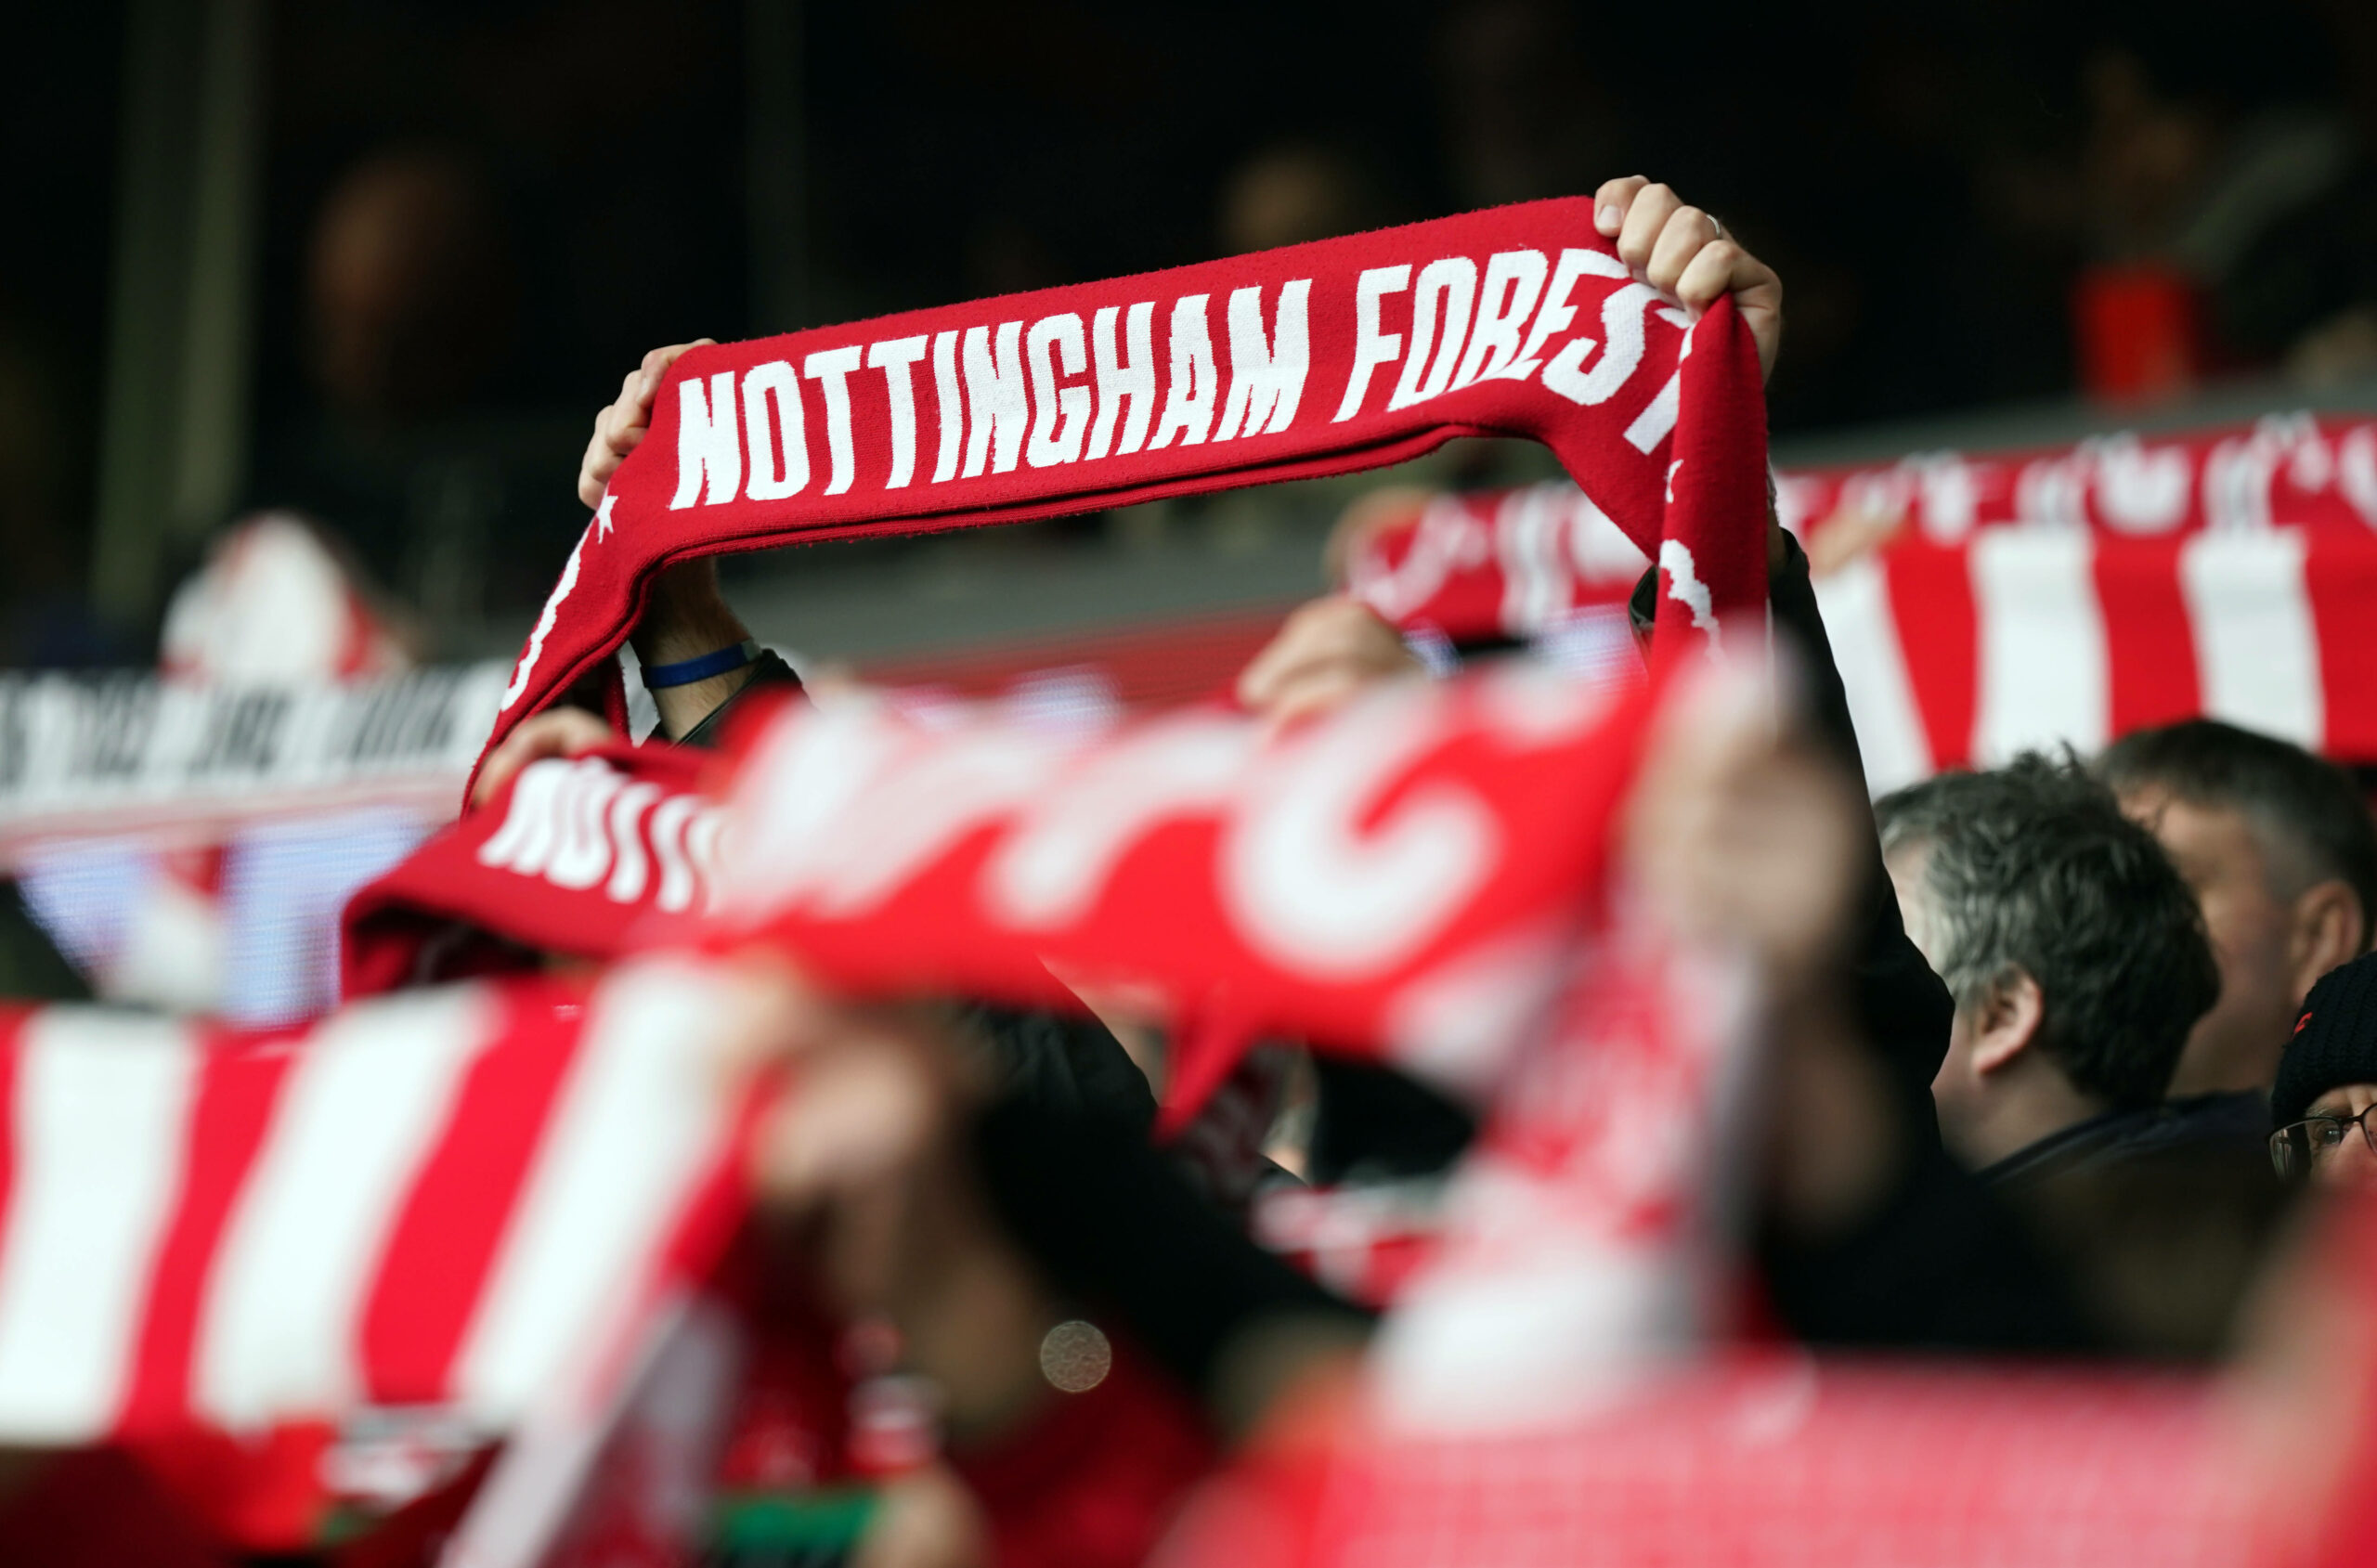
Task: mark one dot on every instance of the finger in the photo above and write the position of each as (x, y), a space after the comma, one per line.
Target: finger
(564, 732)
(656, 365)
(1653, 205)
(1725, 269)
(1708, 277)
(617, 446)
(594, 472)
(1288, 648)
(620, 418)
(1687, 233)
(647, 376)
(1718, 269)
(1259, 681)
(1316, 689)
(1611, 201)
(501, 763)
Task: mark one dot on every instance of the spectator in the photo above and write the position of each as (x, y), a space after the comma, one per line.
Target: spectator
(2075, 955)
(2326, 1083)
(2282, 856)
(2221, 170)
(1292, 192)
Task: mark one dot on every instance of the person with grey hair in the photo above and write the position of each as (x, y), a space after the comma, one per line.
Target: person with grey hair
(2281, 852)
(2074, 952)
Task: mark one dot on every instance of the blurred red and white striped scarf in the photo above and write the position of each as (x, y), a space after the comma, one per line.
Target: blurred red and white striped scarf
(448, 1198)
(1981, 605)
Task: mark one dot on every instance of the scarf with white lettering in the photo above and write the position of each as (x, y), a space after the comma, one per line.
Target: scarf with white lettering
(1321, 358)
(568, 858)
(1399, 879)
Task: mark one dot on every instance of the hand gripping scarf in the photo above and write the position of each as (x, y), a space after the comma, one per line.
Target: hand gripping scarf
(1321, 358)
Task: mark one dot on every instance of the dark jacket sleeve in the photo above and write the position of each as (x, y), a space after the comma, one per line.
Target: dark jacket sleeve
(1903, 1006)
(1938, 1264)
(31, 969)
(1900, 1004)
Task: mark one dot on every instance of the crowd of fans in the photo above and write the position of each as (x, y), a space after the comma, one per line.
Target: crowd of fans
(2055, 1049)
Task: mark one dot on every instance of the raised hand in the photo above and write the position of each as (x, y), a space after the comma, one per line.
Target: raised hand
(621, 428)
(1684, 252)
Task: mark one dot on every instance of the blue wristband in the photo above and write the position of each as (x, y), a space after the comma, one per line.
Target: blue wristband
(684, 672)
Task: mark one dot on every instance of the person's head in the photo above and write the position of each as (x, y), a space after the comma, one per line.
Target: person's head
(2074, 952)
(408, 285)
(2327, 1081)
(2279, 849)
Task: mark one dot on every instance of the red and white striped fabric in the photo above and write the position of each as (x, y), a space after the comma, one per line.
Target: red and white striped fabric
(2283, 469)
(1968, 635)
(2022, 637)
(445, 1199)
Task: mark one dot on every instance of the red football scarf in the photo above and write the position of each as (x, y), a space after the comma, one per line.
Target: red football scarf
(1398, 878)
(567, 860)
(1320, 359)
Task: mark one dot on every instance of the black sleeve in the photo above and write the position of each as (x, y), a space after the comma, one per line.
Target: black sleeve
(1900, 1005)
(1941, 1264)
(1066, 1064)
(31, 969)
(1373, 1123)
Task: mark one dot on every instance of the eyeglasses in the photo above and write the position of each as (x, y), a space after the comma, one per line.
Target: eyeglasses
(2297, 1146)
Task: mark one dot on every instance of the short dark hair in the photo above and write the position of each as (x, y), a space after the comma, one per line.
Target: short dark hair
(2303, 807)
(2035, 868)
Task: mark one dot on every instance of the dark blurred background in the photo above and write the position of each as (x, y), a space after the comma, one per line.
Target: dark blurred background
(380, 261)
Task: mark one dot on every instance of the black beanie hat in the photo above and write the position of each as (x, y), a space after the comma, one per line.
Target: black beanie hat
(2335, 1040)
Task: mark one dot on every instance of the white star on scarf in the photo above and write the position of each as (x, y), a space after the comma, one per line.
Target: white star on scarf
(603, 516)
